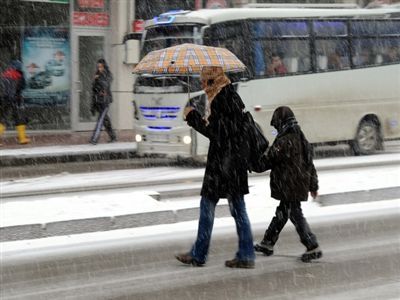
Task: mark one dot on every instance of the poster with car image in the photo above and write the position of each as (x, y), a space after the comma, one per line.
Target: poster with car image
(45, 58)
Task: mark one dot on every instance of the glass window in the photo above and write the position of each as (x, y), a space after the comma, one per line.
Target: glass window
(169, 31)
(387, 50)
(178, 84)
(375, 28)
(231, 36)
(269, 29)
(363, 28)
(330, 28)
(367, 52)
(280, 57)
(332, 54)
(388, 27)
(363, 52)
(163, 43)
(37, 34)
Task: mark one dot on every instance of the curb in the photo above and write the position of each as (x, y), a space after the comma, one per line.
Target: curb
(68, 227)
(107, 223)
(13, 161)
(177, 193)
(389, 193)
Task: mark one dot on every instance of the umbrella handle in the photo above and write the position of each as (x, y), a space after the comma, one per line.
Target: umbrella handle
(188, 86)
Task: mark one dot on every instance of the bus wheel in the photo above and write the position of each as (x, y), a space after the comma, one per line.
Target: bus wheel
(368, 138)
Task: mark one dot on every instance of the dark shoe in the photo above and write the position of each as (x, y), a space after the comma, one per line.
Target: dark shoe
(235, 263)
(187, 259)
(268, 250)
(311, 254)
(93, 142)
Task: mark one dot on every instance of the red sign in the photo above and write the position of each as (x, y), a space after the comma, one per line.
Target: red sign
(138, 25)
(91, 19)
(91, 3)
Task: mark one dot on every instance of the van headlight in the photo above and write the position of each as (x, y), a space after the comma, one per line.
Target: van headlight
(138, 138)
(187, 139)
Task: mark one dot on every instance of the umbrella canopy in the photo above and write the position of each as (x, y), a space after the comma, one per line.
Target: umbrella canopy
(187, 59)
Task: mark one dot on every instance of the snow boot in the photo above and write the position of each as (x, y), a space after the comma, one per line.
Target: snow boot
(265, 248)
(22, 139)
(315, 253)
(2, 129)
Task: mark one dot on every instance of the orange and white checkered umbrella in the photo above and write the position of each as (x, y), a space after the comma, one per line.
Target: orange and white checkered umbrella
(188, 59)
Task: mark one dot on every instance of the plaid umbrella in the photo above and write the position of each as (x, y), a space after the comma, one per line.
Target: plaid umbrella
(187, 59)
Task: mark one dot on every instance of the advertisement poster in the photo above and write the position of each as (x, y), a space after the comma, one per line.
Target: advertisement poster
(46, 57)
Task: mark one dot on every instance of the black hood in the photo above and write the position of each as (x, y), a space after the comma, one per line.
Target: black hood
(282, 116)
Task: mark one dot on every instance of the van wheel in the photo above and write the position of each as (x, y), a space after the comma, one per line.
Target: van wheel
(368, 138)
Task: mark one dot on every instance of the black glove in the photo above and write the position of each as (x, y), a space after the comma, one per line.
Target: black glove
(93, 111)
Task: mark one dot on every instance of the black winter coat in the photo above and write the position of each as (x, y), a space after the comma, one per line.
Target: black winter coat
(226, 170)
(12, 83)
(293, 173)
(101, 90)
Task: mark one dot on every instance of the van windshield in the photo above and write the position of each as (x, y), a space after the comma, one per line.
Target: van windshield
(166, 84)
(159, 37)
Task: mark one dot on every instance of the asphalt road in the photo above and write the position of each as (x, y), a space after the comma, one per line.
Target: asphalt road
(361, 261)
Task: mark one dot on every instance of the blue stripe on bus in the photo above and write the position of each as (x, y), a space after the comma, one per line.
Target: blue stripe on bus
(159, 128)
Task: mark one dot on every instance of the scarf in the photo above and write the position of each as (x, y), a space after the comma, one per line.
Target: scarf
(215, 79)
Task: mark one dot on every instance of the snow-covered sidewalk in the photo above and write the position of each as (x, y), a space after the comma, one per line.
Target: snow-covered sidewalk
(65, 182)
(102, 210)
(48, 151)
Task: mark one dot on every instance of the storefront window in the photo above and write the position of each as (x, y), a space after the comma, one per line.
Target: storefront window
(38, 35)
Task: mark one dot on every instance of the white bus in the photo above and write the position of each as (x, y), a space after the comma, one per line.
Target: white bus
(341, 74)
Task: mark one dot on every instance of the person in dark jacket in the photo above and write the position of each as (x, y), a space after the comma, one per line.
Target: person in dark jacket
(226, 171)
(101, 100)
(292, 177)
(12, 85)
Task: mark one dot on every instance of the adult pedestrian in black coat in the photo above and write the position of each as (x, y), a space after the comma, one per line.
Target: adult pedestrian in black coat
(226, 170)
(292, 177)
(12, 83)
(101, 100)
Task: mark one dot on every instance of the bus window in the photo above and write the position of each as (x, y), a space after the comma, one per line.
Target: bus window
(230, 35)
(273, 29)
(330, 28)
(363, 54)
(375, 42)
(392, 53)
(388, 28)
(363, 28)
(331, 48)
(336, 52)
(259, 58)
(294, 54)
(279, 47)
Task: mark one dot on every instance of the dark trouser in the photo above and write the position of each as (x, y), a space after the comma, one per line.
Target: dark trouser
(291, 210)
(13, 105)
(105, 120)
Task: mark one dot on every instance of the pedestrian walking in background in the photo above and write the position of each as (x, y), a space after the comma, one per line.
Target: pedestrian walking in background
(12, 85)
(293, 175)
(226, 170)
(101, 100)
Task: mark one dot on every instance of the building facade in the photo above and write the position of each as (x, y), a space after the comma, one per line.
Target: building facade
(58, 43)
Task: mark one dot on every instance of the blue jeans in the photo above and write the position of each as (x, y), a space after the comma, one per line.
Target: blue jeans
(238, 211)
